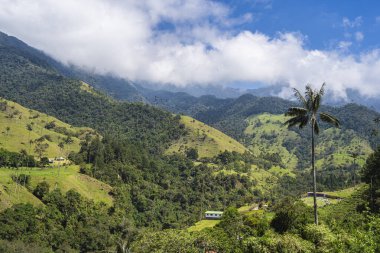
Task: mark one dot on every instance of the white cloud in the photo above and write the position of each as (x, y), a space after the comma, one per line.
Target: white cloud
(121, 37)
(356, 22)
(359, 36)
(344, 45)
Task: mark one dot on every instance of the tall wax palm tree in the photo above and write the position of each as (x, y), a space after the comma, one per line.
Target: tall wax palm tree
(306, 115)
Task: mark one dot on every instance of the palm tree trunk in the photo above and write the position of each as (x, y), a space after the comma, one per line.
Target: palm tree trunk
(314, 175)
(354, 172)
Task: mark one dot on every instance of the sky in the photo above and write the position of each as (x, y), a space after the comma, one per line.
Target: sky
(200, 42)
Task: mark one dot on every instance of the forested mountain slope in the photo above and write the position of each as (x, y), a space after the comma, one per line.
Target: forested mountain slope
(151, 188)
(31, 81)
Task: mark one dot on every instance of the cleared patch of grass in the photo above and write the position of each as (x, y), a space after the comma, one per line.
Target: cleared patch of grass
(345, 193)
(207, 140)
(12, 193)
(276, 170)
(15, 136)
(203, 224)
(321, 202)
(65, 178)
(244, 209)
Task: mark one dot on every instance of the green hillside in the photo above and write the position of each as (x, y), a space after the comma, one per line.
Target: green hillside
(15, 136)
(30, 78)
(266, 134)
(64, 178)
(207, 140)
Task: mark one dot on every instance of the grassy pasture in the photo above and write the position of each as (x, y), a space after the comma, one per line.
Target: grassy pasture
(14, 135)
(64, 178)
(207, 140)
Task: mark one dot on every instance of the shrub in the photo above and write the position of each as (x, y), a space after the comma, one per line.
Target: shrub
(50, 125)
(41, 189)
(291, 216)
(21, 179)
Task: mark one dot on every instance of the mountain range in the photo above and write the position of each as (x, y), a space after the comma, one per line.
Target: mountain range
(139, 157)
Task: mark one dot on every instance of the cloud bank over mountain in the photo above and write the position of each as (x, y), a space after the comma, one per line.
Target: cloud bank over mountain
(183, 42)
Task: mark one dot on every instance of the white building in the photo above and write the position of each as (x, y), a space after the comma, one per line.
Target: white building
(213, 215)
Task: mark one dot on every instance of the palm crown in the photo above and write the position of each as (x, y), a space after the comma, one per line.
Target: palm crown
(308, 113)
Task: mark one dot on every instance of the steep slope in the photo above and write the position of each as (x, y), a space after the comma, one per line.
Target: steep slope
(33, 81)
(268, 137)
(64, 178)
(207, 140)
(153, 189)
(15, 135)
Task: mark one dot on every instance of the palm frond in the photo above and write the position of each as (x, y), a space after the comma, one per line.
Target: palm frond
(329, 119)
(300, 98)
(296, 111)
(301, 121)
(308, 89)
(304, 122)
(309, 95)
(317, 102)
(322, 90)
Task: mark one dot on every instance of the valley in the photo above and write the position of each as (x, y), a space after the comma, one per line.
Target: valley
(138, 172)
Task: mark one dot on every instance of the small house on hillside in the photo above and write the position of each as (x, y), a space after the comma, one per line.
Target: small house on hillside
(216, 215)
(322, 195)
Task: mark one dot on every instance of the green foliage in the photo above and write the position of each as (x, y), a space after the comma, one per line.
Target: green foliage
(371, 175)
(21, 179)
(28, 133)
(287, 243)
(258, 222)
(165, 192)
(192, 153)
(28, 79)
(232, 222)
(167, 241)
(20, 223)
(207, 140)
(44, 161)
(182, 241)
(15, 160)
(65, 178)
(291, 215)
(41, 189)
(67, 222)
(323, 239)
(21, 247)
(170, 192)
(50, 125)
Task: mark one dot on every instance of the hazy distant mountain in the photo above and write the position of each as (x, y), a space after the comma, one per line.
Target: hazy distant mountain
(197, 90)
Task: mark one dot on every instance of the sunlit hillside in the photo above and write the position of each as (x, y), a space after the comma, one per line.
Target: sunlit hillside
(207, 140)
(22, 128)
(65, 178)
